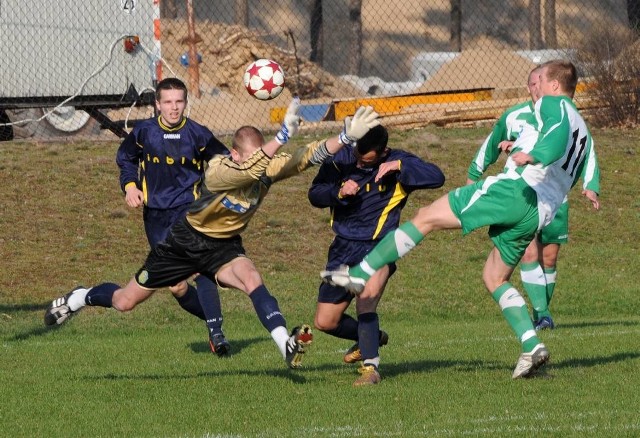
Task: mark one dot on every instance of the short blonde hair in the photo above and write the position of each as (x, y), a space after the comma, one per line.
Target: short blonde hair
(247, 137)
(564, 72)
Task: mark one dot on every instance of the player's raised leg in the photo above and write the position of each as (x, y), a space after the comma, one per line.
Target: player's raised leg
(436, 216)
(102, 295)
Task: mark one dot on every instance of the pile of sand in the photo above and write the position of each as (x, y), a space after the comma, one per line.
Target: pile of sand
(486, 64)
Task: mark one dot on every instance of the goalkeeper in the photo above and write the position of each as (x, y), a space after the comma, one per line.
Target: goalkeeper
(208, 240)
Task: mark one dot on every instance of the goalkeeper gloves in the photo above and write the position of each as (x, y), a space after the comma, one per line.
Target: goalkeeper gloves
(355, 128)
(291, 122)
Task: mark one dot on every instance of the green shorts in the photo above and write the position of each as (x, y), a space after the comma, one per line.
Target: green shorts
(558, 230)
(508, 206)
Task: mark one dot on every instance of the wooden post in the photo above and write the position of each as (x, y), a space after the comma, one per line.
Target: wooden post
(194, 68)
(242, 13)
(355, 22)
(550, 35)
(456, 26)
(535, 22)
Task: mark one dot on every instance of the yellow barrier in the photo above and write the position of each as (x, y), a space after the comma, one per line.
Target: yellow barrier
(339, 109)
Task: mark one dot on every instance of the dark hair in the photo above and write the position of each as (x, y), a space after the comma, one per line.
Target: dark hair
(170, 84)
(374, 140)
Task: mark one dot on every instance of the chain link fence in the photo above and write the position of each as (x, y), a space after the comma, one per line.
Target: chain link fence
(78, 69)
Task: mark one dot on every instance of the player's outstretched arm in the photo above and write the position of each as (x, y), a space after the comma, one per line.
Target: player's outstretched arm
(288, 129)
(354, 128)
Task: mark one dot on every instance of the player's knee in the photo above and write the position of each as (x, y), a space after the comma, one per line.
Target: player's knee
(179, 289)
(122, 303)
(422, 218)
(324, 324)
(251, 281)
(530, 255)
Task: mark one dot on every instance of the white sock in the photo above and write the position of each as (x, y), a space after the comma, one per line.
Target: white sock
(76, 300)
(281, 336)
(375, 362)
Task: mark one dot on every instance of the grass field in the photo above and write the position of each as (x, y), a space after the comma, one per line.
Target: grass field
(446, 370)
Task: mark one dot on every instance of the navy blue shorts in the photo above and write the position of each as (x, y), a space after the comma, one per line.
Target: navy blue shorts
(157, 222)
(345, 252)
(186, 252)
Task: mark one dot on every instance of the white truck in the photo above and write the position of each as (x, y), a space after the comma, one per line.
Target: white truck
(63, 62)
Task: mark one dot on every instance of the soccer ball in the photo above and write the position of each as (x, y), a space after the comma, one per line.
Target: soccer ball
(264, 79)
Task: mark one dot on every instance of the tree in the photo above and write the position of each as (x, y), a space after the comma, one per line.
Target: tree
(535, 25)
(242, 12)
(550, 36)
(633, 12)
(456, 25)
(355, 21)
(168, 9)
(315, 29)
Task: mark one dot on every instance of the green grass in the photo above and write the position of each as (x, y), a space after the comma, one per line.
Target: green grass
(446, 370)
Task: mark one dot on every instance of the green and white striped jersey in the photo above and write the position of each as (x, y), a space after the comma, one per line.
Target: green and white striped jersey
(559, 142)
(508, 127)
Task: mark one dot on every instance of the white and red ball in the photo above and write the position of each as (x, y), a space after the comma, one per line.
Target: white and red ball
(264, 79)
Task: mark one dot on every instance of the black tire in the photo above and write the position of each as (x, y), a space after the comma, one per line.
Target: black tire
(6, 131)
(45, 128)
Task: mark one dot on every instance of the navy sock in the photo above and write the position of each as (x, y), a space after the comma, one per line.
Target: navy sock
(210, 303)
(101, 295)
(347, 328)
(368, 334)
(267, 309)
(190, 302)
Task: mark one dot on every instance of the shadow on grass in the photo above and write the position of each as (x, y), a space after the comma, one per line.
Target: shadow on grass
(29, 307)
(597, 324)
(237, 345)
(294, 376)
(35, 331)
(426, 366)
(420, 366)
(578, 362)
(390, 370)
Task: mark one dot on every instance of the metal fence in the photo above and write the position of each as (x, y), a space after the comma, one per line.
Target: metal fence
(71, 68)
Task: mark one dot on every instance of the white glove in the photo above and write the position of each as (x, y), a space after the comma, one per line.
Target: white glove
(291, 122)
(355, 128)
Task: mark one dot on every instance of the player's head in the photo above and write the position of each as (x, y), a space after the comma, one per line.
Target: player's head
(246, 140)
(372, 147)
(558, 77)
(171, 100)
(533, 84)
(170, 84)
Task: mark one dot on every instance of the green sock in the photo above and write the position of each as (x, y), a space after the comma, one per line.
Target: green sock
(533, 280)
(393, 246)
(550, 274)
(514, 310)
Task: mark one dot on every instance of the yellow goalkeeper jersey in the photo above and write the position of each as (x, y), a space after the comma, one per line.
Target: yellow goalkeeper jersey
(232, 192)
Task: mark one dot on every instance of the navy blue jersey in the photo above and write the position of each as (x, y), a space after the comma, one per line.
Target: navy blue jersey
(376, 208)
(167, 163)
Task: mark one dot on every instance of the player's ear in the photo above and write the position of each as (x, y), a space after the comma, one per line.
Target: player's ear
(235, 155)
